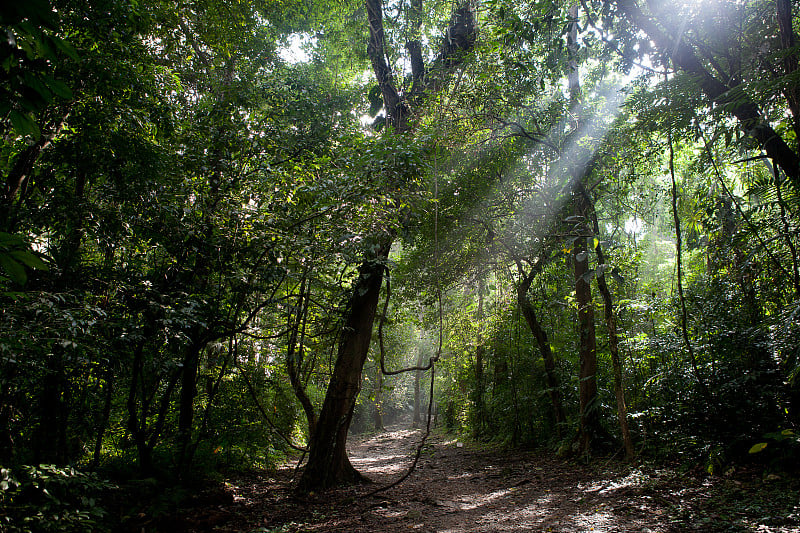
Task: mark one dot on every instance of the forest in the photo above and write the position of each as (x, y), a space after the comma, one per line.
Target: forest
(250, 249)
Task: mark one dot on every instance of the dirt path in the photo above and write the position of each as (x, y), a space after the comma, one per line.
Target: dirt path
(458, 489)
(461, 488)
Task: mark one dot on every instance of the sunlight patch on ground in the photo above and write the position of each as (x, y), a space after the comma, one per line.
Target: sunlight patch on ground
(386, 464)
(377, 459)
(547, 518)
(597, 521)
(381, 465)
(470, 503)
(389, 452)
(606, 486)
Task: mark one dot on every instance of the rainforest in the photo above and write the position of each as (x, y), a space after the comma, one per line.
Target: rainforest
(390, 265)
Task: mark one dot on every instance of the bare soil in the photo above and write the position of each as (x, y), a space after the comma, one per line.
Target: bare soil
(461, 487)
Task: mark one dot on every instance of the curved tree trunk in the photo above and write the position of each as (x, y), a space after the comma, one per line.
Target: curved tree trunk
(723, 92)
(553, 387)
(294, 353)
(613, 338)
(328, 463)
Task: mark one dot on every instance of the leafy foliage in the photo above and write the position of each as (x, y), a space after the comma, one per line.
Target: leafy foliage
(185, 212)
(49, 498)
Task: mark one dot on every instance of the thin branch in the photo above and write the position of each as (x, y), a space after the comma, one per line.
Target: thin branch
(380, 339)
(263, 411)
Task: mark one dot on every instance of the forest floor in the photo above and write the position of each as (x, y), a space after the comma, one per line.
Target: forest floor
(460, 488)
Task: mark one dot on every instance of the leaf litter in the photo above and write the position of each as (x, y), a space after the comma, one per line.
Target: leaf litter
(476, 488)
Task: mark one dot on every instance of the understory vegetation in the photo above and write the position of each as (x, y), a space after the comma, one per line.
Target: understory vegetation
(232, 231)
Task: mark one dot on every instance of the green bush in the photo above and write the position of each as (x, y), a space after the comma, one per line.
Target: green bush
(47, 498)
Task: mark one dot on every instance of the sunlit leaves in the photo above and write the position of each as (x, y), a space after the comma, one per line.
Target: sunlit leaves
(16, 259)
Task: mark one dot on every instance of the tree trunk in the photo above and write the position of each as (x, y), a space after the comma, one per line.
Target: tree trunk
(417, 422)
(787, 232)
(587, 373)
(553, 386)
(328, 463)
(377, 413)
(613, 339)
(187, 395)
(790, 63)
(679, 272)
(294, 355)
(145, 434)
(15, 182)
(480, 414)
(108, 380)
(135, 427)
(48, 445)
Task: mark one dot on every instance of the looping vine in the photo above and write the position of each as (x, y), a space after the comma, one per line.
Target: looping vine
(431, 361)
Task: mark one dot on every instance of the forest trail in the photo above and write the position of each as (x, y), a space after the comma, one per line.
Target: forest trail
(458, 488)
(470, 488)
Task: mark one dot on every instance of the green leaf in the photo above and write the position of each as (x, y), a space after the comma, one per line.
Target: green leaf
(14, 270)
(758, 447)
(58, 87)
(8, 240)
(65, 47)
(37, 85)
(30, 260)
(23, 124)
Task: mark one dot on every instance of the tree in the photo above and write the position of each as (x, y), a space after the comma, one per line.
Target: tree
(328, 463)
(726, 82)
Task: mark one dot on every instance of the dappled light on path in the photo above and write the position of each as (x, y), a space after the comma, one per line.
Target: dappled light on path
(468, 488)
(386, 453)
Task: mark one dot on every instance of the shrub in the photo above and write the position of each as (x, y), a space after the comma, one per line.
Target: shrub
(47, 498)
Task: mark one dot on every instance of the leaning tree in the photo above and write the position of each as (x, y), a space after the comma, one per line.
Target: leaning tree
(328, 462)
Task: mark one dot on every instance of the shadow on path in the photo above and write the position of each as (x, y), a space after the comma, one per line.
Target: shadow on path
(458, 488)
(478, 489)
